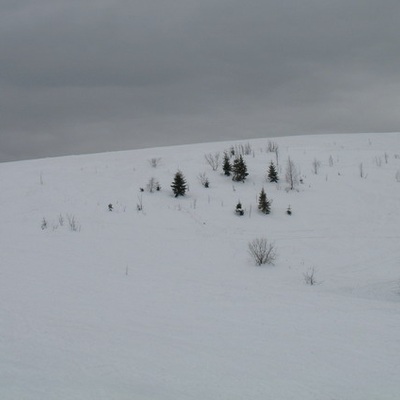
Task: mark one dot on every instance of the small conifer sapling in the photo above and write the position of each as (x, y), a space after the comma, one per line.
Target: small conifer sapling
(239, 210)
(264, 205)
(179, 185)
(239, 169)
(272, 173)
(226, 166)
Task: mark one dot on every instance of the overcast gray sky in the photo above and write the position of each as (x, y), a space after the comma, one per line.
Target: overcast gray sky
(80, 76)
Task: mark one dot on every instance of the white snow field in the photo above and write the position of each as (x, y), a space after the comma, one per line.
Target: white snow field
(166, 303)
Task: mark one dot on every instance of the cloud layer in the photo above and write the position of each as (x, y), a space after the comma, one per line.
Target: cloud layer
(88, 76)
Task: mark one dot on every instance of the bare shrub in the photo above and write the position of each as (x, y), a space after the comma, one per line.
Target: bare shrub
(213, 160)
(204, 180)
(61, 220)
(309, 277)
(386, 156)
(361, 171)
(152, 185)
(154, 162)
(242, 149)
(262, 252)
(292, 176)
(44, 224)
(277, 156)
(73, 224)
(272, 147)
(247, 150)
(316, 164)
(139, 204)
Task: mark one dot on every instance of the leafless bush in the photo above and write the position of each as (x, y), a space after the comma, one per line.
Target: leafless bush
(272, 147)
(204, 180)
(44, 224)
(139, 204)
(247, 150)
(292, 176)
(386, 156)
(261, 251)
(242, 150)
(277, 156)
(61, 220)
(154, 162)
(213, 160)
(152, 185)
(309, 277)
(73, 224)
(316, 164)
(378, 161)
(361, 170)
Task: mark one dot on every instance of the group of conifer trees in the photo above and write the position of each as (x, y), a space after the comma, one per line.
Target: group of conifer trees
(238, 170)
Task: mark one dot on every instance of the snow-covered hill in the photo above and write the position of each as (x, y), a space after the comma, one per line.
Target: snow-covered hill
(166, 303)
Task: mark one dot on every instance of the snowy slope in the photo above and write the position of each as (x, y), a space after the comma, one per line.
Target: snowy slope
(166, 303)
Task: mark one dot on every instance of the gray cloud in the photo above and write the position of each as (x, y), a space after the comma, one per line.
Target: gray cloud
(88, 76)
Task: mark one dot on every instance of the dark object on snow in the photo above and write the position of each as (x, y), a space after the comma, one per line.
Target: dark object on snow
(272, 173)
(264, 205)
(110, 207)
(179, 185)
(227, 167)
(239, 170)
(239, 210)
(289, 211)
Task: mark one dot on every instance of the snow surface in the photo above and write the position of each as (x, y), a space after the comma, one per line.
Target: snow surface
(166, 303)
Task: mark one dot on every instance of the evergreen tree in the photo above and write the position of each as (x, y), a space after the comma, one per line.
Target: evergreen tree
(227, 167)
(179, 185)
(239, 169)
(264, 205)
(272, 173)
(239, 210)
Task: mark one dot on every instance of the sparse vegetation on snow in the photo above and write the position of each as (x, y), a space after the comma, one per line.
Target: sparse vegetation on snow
(262, 251)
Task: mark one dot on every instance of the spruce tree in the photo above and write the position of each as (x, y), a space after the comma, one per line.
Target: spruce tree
(272, 173)
(179, 185)
(227, 167)
(239, 169)
(264, 205)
